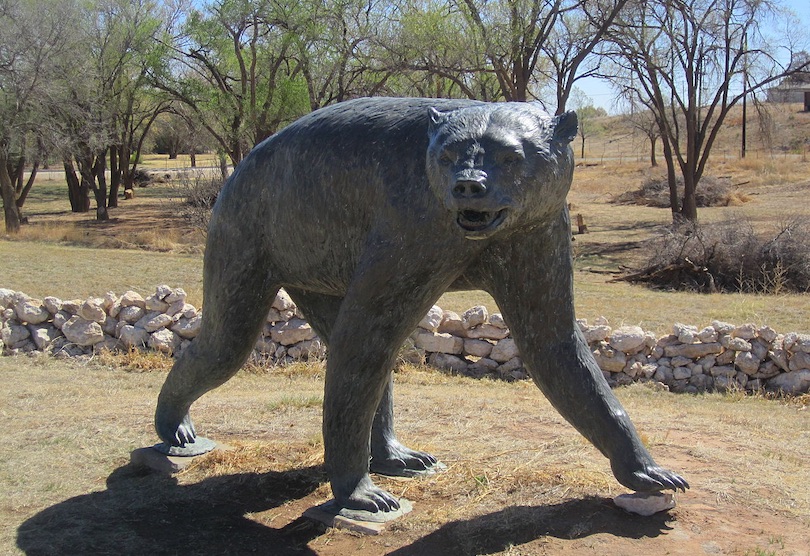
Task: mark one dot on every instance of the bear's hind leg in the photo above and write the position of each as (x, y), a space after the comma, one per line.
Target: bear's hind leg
(237, 298)
(388, 456)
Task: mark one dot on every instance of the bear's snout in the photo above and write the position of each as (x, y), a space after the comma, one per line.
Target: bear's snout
(470, 184)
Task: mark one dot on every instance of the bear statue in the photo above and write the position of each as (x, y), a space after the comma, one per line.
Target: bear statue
(366, 212)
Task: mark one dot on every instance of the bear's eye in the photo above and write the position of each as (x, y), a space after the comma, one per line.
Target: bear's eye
(446, 158)
(511, 157)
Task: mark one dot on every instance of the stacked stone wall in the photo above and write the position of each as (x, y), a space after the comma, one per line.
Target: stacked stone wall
(720, 356)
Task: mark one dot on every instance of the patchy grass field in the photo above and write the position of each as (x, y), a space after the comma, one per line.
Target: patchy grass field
(519, 481)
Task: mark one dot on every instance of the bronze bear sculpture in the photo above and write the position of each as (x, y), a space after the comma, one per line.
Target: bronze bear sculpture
(366, 212)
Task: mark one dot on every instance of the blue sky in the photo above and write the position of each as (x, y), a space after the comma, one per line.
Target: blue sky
(601, 94)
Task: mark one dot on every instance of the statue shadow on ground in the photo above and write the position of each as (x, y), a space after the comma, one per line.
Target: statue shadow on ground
(147, 513)
(519, 525)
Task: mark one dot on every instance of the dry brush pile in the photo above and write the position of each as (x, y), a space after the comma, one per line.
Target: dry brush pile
(720, 356)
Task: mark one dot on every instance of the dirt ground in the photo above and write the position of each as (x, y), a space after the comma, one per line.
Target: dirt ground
(519, 479)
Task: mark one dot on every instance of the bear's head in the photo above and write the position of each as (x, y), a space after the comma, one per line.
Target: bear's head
(501, 166)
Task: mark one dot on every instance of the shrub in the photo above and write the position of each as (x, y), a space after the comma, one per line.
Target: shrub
(730, 257)
(654, 192)
(199, 192)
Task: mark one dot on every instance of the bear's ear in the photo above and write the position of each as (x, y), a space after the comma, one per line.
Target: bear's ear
(565, 127)
(436, 119)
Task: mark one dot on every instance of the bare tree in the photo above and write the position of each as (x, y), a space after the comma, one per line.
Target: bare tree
(689, 63)
(30, 38)
(234, 67)
(572, 41)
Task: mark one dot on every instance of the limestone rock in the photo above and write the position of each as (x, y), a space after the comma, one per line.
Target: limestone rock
(610, 360)
(93, 310)
(6, 297)
(188, 328)
(163, 291)
(308, 349)
(439, 343)
(767, 333)
(477, 348)
(132, 299)
(157, 322)
(109, 326)
(30, 310)
(693, 351)
(487, 331)
(176, 295)
(447, 361)
(627, 338)
(802, 343)
(597, 333)
(14, 334)
(432, 319)
(739, 344)
(133, 337)
(291, 332)
(474, 316)
(60, 318)
(82, 332)
(644, 503)
(747, 362)
(179, 307)
(283, 301)
(52, 304)
(43, 335)
(164, 340)
(452, 324)
(72, 306)
(686, 334)
(131, 313)
(496, 320)
(746, 331)
(793, 382)
(154, 303)
(799, 360)
(107, 344)
(722, 327)
(708, 335)
(504, 350)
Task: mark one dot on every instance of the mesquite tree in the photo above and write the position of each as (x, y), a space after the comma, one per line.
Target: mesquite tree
(689, 63)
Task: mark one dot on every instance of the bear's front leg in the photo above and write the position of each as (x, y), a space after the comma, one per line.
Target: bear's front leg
(383, 304)
(531, 279)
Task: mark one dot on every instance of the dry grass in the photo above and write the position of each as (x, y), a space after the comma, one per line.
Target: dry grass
(41, 269)
(518, 475)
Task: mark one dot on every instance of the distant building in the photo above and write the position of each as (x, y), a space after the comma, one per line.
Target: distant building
(787, 92)
(796, 86)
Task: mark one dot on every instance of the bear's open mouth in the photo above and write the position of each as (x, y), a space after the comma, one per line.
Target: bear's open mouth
(478, 221)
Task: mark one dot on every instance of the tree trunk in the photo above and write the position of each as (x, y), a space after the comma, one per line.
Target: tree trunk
(689, 208)
(26, 188)
(10, 210)
(193, 156)
(115, 178)
(582, 149)
(100, 186)
(672, 181)
(223, 166)
(653, 160)
(78, 195)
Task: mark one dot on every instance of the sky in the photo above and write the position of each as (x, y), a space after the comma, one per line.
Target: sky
(601, 94)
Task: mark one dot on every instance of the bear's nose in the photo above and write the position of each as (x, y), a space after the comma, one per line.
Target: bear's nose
(469, 189)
